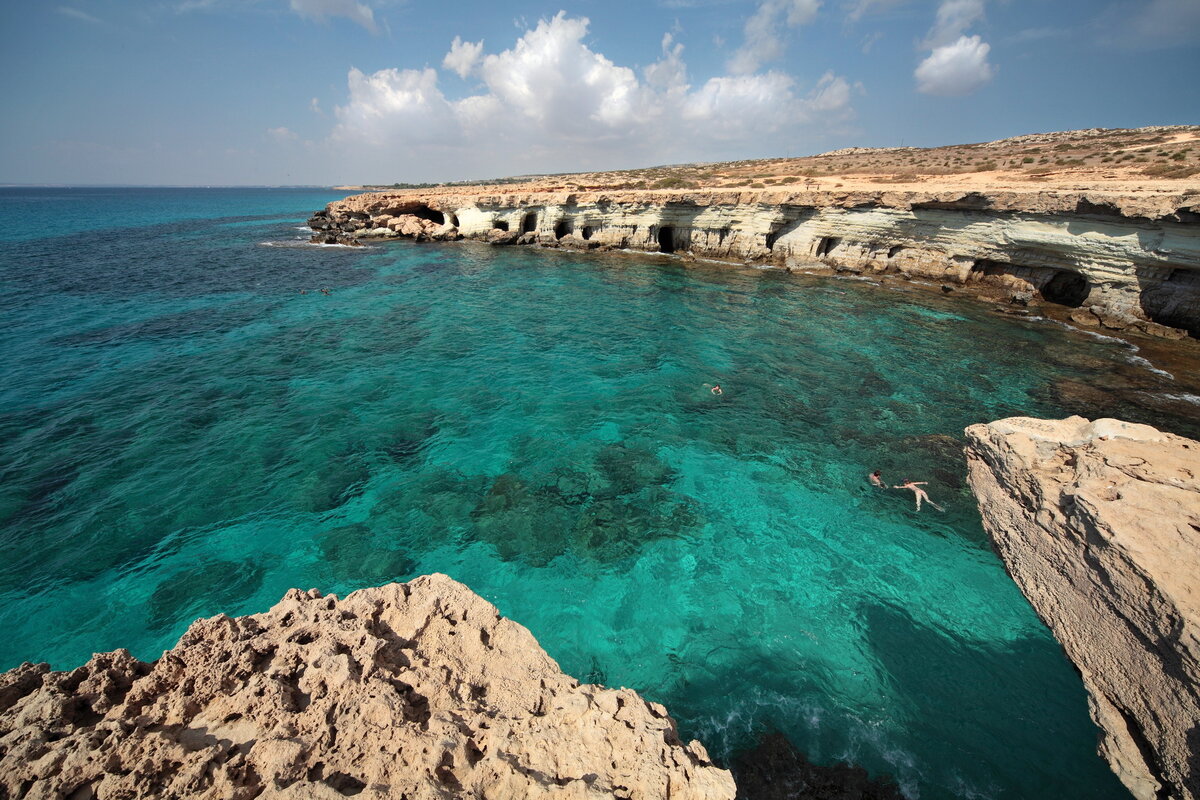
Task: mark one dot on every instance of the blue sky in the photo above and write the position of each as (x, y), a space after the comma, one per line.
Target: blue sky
(226, 92)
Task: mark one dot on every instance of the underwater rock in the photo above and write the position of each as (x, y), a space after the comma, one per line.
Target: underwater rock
(418, 690)
(776, 770)
(1099, 524)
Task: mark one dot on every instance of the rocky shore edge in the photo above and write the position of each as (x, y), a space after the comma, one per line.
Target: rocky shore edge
(1099, 524)
(1114, 262)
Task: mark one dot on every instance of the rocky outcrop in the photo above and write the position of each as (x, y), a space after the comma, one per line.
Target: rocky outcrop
(418, 690)
(1099, 524)
(1131, 261)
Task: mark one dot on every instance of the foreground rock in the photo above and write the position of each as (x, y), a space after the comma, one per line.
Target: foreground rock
(418, 690)
(1099, 524)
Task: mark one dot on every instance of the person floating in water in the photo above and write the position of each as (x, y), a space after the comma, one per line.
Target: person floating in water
(715, 388)
(325, 291)
(876, 479)
(920, 493)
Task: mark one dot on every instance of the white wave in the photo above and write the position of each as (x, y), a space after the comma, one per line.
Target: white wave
(1184, 396)
(306, 243)
(1142, 362)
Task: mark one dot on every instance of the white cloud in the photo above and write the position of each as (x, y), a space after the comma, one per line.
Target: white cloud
(75, 13)
(463, 56)
(359, 13)
(957, 64)
(551, 103)
(315, 105)
(857, 9)
(282, 134)
(953, 19)
(762, 43)
(955, 69)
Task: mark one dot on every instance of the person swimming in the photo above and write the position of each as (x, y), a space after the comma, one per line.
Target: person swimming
(876, 479)
(715, 388)
(919, 492)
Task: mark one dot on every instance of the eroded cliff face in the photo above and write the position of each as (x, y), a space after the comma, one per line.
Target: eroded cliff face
(1126, 263)
(1099, 524)
(418, 690)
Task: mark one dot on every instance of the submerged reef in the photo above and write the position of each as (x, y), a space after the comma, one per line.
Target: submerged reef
(418, 690)
(1099, 524)
(1115, 261)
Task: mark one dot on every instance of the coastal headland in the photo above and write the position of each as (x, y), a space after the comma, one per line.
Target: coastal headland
(1111, 241)
(1097, 522)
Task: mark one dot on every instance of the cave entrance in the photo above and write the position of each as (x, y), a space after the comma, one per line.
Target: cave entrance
(587, 232)
(1171, 297)
(500, 225)
(427, 213)
(529, 223)
(666, 239)
(1066, 288)
(563, 228)
(826, 246)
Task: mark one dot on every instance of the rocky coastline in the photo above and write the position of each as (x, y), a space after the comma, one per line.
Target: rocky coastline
(1114, 261)
(1099, 525)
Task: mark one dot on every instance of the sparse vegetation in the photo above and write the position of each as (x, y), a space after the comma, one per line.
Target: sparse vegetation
(1100, 155)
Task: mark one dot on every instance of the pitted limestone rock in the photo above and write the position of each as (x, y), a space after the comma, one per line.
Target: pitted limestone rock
(418, 690)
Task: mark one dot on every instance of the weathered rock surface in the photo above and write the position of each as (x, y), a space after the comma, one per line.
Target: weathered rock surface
(1099, 524)
(1134, 260)
(418, 690)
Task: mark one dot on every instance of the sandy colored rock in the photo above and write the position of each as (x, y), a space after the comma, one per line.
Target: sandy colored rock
(1099, 524)
(418, 690)
(1098, 231)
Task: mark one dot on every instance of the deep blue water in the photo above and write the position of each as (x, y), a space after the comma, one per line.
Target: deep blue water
(183, 432)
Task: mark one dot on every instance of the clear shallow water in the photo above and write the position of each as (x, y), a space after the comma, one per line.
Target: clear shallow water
(183, 433)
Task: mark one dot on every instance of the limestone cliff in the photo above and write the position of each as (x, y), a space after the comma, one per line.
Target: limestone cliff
(1125, 261)
(1099, 524)
(418, 690)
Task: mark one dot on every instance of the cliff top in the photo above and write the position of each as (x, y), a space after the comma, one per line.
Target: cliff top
(1142, 163)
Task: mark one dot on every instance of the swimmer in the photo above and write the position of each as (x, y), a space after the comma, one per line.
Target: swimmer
(715, 388)
(304, 291)
(920, 493)
(876, 479)
(325, 291)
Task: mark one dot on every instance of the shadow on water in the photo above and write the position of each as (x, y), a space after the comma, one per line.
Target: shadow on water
(947, 690)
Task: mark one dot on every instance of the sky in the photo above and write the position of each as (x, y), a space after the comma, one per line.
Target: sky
(325, 92)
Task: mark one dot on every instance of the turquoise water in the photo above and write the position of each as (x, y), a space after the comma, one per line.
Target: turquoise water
(182, 433)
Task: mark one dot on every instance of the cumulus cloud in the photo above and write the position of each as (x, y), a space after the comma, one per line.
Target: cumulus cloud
(462, 56)
(359, 13)
(762, 43)
(953, 19)
(957, 64)
(955, 69)
(551, 103)
(282, 134)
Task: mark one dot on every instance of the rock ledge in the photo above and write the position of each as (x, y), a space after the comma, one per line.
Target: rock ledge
(417, 690)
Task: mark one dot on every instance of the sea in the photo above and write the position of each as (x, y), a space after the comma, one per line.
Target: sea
(199, 410)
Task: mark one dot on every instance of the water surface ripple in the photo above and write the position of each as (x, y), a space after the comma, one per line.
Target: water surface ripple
(183, 432)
